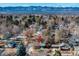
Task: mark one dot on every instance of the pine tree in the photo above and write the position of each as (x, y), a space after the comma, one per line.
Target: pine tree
(21, 50)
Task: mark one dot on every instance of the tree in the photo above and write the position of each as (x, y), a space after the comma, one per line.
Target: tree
(58, 36)
(21, 50)
(57, 53)
(9, 19)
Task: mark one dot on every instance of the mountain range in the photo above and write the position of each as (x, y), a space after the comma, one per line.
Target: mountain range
(40, 10)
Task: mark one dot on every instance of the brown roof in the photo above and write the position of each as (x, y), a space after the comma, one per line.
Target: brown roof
(2, 43)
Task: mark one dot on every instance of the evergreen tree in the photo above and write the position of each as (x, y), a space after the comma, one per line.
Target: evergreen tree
(21, 50)
(9, 19)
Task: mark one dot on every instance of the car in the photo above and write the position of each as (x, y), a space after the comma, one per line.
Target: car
(13, 44)
(65, 47)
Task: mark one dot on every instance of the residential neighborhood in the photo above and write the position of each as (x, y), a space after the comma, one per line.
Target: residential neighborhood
(39, 35)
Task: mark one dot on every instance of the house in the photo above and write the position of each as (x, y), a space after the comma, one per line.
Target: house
(2, 44)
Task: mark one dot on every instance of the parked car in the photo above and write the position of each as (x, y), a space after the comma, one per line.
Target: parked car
(65, 47)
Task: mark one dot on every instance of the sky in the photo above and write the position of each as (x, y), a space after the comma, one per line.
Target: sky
(41, 4)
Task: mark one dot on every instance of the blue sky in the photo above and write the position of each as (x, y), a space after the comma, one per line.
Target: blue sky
(41, 4)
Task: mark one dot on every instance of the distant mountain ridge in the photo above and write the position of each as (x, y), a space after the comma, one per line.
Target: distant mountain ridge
(40, 10)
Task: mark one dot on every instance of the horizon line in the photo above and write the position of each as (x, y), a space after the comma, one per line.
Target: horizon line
(39, 4)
